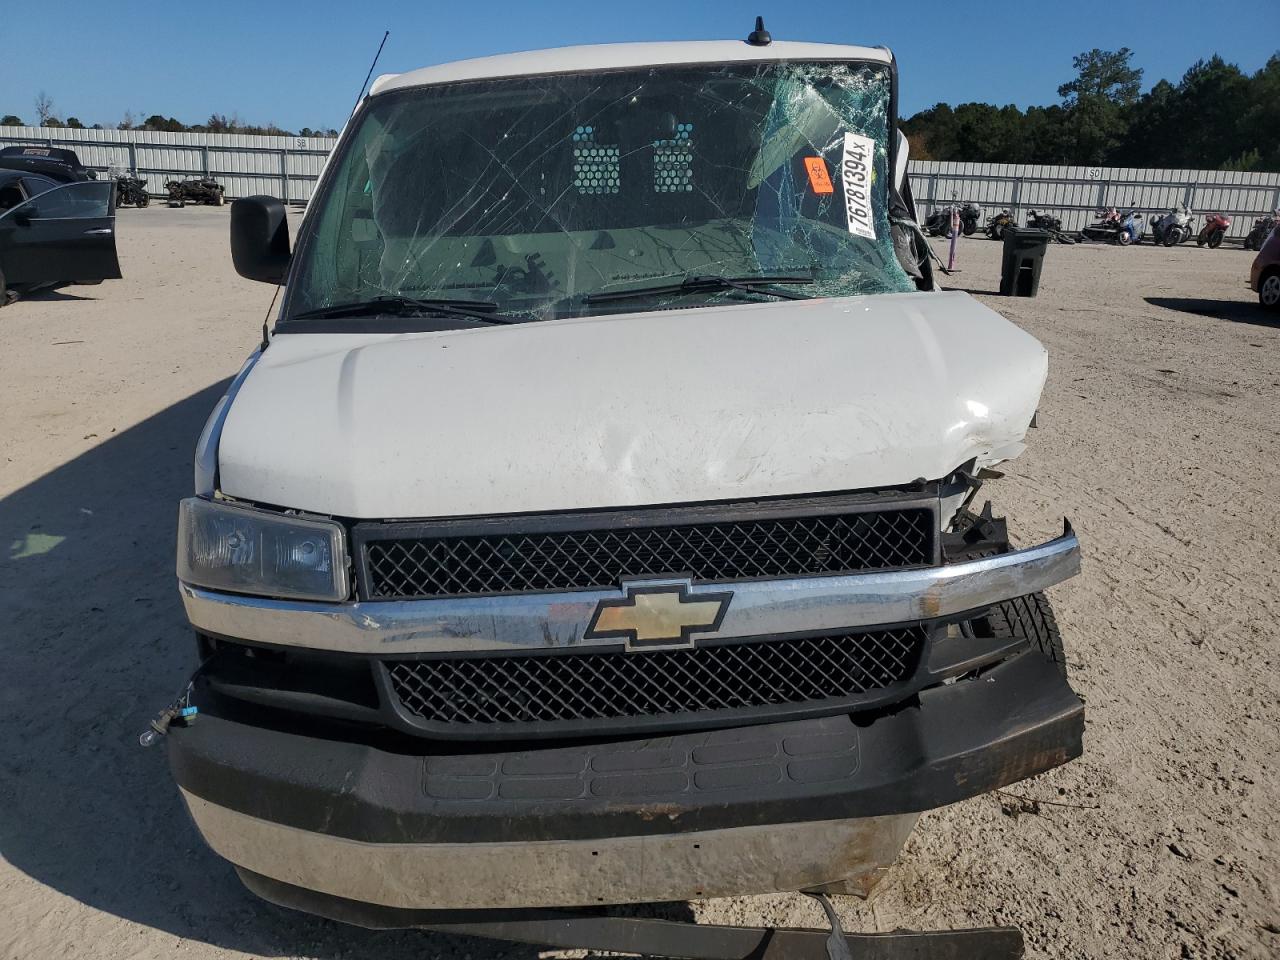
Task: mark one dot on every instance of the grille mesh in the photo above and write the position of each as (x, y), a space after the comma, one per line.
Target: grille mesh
(604, 686)
(573, 560)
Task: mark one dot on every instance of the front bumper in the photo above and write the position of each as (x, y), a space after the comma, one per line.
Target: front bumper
(786, 806)
(560, 620)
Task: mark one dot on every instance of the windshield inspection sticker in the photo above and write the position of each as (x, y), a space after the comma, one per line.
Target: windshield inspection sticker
(819, 179)
(855, 174)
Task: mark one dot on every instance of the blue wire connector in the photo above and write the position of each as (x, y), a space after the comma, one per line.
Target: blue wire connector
(182, 711)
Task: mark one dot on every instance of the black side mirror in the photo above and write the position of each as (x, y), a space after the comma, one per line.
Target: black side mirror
(260, 239)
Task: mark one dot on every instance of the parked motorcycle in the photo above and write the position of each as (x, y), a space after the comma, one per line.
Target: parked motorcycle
(1115, 227)
(970, 216)
(1214, 229)
(1173, 227)
(939, 222)
(131, 190)
(1045, 221)
(1262, 228)
(996, 225)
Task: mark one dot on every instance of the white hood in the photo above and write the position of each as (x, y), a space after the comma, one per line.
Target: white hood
(675, 406)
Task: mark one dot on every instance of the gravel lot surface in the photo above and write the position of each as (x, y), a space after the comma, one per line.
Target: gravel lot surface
(1158, 437)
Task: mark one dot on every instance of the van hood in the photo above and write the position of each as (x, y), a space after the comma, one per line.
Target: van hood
(671, 406)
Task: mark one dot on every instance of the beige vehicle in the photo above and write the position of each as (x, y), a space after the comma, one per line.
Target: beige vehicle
(1264, 275)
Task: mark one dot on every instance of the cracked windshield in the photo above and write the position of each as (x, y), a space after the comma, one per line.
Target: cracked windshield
(536, 197)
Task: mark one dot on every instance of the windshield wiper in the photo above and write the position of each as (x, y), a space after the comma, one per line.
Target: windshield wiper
(693, 284)
(484, 311)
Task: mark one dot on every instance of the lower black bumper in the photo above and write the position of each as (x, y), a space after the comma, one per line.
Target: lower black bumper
(699, 799)
(1013, 721)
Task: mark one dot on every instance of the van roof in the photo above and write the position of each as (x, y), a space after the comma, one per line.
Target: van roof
(607, 56)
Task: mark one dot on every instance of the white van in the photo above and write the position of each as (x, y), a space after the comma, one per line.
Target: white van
(597, 524)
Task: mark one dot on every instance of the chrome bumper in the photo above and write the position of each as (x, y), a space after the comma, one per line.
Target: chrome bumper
(559, 873)
(536, 621)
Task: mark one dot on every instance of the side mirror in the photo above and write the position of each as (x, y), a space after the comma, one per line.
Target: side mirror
(260, 239)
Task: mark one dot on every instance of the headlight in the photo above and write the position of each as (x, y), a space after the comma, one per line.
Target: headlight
(251, 551)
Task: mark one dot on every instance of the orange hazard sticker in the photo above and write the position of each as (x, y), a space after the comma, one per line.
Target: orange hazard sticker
(819, 179)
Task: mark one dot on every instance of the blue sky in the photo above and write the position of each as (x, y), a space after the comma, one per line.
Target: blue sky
(300, 63)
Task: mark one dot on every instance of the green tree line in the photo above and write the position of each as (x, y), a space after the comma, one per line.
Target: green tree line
(46, 115)
(1217, 117)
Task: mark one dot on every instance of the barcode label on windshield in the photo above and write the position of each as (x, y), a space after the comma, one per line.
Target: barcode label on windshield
(855, 174)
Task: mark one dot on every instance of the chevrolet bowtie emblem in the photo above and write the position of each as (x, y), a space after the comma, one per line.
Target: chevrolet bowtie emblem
(658, 615)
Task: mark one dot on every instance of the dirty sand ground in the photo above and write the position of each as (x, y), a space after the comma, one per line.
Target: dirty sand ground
(1158, 438)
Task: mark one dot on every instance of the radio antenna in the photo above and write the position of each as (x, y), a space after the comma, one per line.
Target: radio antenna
(385, 34)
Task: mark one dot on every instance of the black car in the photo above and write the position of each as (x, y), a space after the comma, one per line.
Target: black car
(55, 163)
(54, 232)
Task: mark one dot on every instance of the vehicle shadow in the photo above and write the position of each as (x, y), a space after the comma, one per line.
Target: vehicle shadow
(1237, 311)
(94, 643)
(39, 296)
(972, 291)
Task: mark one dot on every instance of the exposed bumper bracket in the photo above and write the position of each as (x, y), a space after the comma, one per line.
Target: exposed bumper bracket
(576, 929)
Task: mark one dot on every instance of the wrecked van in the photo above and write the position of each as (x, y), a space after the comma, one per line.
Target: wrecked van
(598, 523)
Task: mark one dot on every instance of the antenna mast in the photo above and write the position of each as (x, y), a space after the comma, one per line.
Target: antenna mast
(385, 34)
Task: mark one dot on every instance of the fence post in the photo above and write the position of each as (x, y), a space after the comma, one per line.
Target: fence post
(1189, 196)
(1016, 200)
(284, 175)
(204, 159)
(133, 158)
(1102, 194)
(933, 190)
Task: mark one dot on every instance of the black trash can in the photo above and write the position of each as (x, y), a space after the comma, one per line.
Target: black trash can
(1024, 250)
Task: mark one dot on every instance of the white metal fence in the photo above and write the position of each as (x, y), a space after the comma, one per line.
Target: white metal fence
(285, 167)
(288, 167)
(1076, 193)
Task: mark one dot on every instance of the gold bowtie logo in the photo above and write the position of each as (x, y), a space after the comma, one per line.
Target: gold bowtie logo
(658, 615)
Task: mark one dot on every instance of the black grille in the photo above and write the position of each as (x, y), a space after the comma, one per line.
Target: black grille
(740, 676)
(491, 563)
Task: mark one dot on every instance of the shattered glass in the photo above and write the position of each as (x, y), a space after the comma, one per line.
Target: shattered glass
(533, 192)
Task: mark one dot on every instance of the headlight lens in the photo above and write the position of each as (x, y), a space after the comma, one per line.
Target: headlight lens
(251, 551)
